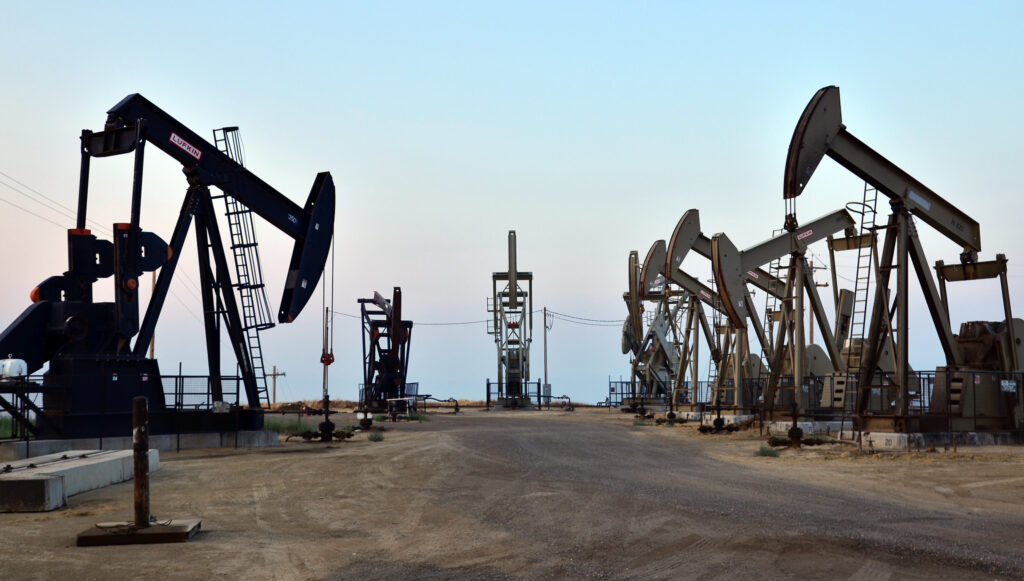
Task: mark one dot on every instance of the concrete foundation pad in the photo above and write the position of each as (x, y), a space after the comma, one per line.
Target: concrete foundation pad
(819, 428)
(174, 531)
(19, 449)
(44, 483)
(921, 441)
(710, 417)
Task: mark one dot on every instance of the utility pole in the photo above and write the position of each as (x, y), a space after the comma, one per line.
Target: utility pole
(274, 375)
(545, 347)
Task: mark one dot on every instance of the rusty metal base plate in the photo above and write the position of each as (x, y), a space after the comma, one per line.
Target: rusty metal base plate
(125, 533)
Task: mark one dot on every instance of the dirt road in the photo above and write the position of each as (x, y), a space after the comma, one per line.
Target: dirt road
(549, 496)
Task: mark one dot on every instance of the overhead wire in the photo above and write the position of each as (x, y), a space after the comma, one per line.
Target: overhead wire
(65, 211)
(27, 211)
(69, 213)
(618, 321)
(61, 209)
(585, 324)
(553, 314)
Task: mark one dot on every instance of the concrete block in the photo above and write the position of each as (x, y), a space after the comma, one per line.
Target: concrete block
(45, 482)
(31, 492)
(16, 450)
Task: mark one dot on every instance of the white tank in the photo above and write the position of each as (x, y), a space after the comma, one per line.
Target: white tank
(13, 368)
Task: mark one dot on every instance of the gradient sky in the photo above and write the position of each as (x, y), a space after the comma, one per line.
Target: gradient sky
(588, 127)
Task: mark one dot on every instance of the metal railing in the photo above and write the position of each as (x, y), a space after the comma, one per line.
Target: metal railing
(530, 393)
(686, 394)
(192, 392)
(181, 393)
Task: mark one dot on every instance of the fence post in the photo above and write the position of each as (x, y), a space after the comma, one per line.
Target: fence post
(140, 448)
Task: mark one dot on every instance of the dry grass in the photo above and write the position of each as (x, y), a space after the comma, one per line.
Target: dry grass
(292, 406)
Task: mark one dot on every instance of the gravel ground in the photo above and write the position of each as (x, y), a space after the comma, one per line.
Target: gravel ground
(548, 495)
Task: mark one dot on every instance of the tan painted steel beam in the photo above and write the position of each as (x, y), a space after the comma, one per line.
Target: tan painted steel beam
(820, 131)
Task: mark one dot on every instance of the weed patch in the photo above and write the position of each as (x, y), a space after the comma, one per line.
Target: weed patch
(286, 426)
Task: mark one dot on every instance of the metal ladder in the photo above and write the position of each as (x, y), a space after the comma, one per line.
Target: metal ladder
(772, 303)
(252, 294)
(862, 284)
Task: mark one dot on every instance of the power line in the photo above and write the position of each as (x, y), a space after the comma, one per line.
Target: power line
(27, 211)
(576, 320)
(418, 323)
(452, 324)
(585, 324)
(35, 191)
(616, 321)
(61, 209)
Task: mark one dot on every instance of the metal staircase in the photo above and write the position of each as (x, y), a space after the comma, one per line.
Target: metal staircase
(252, 294)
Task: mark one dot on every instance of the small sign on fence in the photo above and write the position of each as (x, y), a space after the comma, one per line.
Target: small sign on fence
(1008, 386)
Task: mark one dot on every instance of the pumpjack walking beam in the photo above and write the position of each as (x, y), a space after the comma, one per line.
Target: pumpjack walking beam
(311, 226)
(820, 132)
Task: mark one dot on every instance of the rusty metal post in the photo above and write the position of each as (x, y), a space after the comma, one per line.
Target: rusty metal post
(140, 446)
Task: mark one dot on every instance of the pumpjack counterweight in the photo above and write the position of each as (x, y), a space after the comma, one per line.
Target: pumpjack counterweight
(95, 367)
(511, 309)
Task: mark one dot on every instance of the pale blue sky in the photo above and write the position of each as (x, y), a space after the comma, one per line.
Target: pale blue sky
(587, 127)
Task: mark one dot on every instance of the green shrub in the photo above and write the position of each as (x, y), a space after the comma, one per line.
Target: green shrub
(376, 436)
(767, 451)
(379, 417)
(639, 422)
(418, 417)
(286, 426)
(7, 427)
